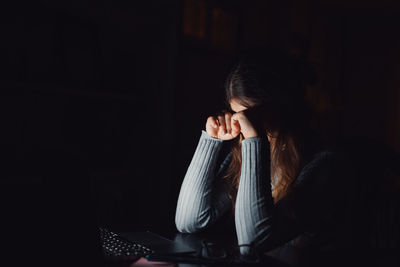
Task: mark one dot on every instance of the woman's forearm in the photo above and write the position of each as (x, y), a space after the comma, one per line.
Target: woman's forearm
(199, 203)
(254, 203)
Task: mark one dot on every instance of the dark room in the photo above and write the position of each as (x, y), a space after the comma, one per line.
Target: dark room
(200, 133)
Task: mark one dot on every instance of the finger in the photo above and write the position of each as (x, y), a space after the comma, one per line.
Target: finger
(222, 124)
(235, 117)
(213, 121)
(235, 126)
(228, 117)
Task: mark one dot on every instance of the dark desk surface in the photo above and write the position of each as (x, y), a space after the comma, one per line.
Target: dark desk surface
(284, 256)
(194, 241)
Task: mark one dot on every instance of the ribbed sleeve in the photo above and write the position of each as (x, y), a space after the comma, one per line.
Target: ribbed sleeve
(201, 201)
(260, 224)
(254, 203)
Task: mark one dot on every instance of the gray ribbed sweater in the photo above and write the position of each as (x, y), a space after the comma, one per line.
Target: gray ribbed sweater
(203, 199)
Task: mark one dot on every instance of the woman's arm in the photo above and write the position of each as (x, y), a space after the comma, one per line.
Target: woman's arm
(258, 222)
(254, 203)
(202, 199)
(263, 225)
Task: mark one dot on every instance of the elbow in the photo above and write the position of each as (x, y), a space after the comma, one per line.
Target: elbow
(184, 228)
(191, 224)
(182, 225)
(254, 231)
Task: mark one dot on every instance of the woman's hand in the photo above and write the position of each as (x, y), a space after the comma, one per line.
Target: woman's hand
(246, 127)
(223, 126)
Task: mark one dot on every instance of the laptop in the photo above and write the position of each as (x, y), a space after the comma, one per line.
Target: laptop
(157, 243)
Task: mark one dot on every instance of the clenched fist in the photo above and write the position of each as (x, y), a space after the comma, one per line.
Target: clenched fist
(227, 126)
(222, 126)
(246, 127)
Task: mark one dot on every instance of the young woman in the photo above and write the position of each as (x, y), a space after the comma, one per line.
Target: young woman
(279, 180)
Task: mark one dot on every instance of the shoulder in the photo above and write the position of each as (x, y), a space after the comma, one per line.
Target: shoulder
(320, 164)
(347, 161)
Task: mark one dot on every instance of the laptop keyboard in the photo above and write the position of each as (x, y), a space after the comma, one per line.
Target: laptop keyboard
(115, 246)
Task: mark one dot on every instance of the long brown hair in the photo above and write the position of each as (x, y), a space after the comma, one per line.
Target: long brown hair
(276, 81)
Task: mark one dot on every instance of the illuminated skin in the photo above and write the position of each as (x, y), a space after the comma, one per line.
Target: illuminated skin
(227, 126)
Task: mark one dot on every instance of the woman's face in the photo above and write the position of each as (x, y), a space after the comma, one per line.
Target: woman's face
(236, 107)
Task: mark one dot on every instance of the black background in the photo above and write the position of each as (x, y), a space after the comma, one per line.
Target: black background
(126, 87)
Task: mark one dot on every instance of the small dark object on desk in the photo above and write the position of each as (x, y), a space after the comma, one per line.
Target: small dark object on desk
(212, 251)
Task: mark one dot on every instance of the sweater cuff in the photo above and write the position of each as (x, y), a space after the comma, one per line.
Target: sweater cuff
(206, 136)
(254, 140)
(260, 142)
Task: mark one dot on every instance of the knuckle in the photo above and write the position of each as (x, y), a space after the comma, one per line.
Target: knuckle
(240, 114)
